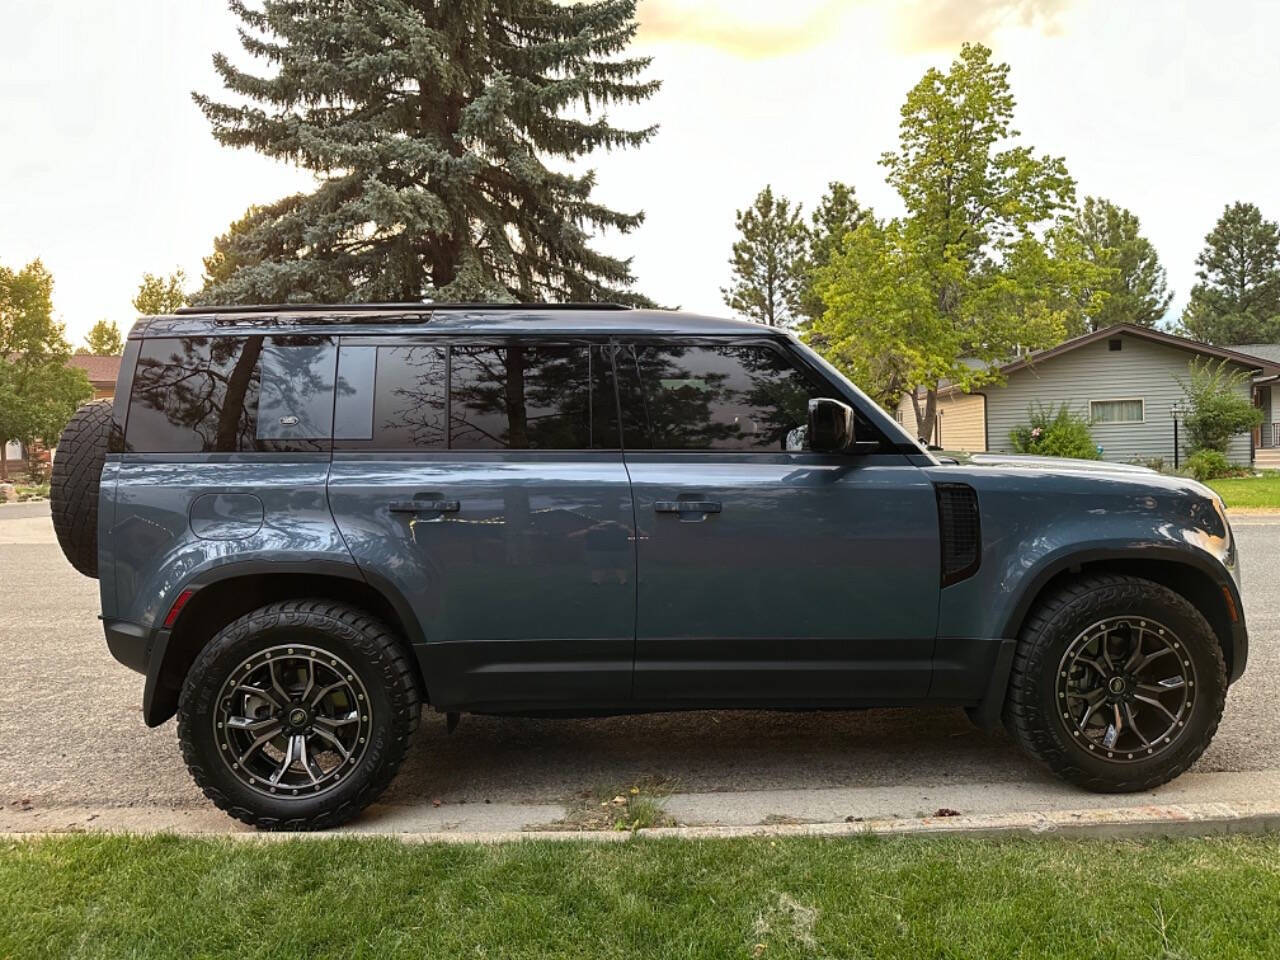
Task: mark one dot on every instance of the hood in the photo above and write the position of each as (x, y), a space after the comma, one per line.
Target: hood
(1026, 461)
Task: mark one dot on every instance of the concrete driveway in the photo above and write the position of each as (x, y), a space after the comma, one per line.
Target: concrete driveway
(74, 750)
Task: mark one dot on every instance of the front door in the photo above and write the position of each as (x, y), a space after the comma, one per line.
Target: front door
(484, 480)
(766, 573)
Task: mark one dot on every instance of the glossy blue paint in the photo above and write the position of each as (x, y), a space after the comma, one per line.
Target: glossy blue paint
(816, 581)
(155, 553)
(527, 592)
(557, 585)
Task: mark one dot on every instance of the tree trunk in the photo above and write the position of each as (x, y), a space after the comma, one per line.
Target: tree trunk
(4, 460)
(926, 418)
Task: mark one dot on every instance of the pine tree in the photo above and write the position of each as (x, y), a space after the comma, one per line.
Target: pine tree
(837, 215)
(437, 131)
(1238, 297)
(1135, 284)
(767, 261)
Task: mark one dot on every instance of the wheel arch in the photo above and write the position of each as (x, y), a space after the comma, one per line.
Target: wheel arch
(1186, 572)
(229, 592)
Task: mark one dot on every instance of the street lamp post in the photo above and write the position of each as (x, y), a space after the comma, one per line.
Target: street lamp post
(1175, 411)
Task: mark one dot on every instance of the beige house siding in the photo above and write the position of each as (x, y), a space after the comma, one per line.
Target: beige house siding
(1092, 372)
(962, 421)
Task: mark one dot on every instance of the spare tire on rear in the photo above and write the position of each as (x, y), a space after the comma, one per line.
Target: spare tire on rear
(73, 487)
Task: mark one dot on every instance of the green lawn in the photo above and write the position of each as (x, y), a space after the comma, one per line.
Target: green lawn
(1263, 491)
(96, 896)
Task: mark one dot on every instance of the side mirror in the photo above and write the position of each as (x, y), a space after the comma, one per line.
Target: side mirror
(830, 426)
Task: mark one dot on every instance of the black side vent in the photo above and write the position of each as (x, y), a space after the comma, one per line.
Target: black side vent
(959, 530)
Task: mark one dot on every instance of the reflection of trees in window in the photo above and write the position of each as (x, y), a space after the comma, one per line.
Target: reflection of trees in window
(711, 398)
(298, 381)
(409, 406)
(521, 397)
(195, 394)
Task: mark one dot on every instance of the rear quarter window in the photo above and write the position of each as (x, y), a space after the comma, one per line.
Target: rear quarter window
(232, 395)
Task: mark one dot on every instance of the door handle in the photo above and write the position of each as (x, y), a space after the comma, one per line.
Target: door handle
(686, 506)
(425, 506)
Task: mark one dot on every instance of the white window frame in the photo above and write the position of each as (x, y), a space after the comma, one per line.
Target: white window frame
(1117, 423)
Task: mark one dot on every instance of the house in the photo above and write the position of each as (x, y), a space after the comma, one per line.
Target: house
(101, 371)
(1125, 380)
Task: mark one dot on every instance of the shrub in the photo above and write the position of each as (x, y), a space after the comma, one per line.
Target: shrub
(1219, 407)
(1151, 463)
(1054, 432)
(1208, 465)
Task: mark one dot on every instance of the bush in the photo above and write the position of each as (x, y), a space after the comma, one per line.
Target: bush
(1151, 463)
(1208, 465)
(1219, 406)
(1054, 433)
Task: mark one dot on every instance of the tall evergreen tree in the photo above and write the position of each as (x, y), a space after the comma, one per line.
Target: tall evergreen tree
(837, 215)
(768, 261)
(433, 128)
(1132, 278)
(1238, 297)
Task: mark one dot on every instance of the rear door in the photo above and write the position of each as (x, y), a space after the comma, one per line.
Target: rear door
(768, 573)
(483, 481)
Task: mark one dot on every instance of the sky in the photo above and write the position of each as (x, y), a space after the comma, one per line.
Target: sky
(1167, 107)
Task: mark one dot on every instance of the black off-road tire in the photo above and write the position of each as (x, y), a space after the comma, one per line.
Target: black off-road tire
(73, 487)
(1033, 717)
(376, 654)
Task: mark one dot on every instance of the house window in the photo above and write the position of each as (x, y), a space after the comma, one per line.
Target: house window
(1117, 411)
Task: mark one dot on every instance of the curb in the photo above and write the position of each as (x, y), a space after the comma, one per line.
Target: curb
(1194, 819)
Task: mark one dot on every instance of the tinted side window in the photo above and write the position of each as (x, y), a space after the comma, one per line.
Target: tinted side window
(733, 397)
(531, 397)
(202, 394)
(409, 399)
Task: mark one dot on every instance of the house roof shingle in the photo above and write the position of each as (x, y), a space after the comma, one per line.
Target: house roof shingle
(99, 370)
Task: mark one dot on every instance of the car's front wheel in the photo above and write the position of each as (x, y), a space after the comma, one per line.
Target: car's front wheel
(1118, 684)
(297, 715)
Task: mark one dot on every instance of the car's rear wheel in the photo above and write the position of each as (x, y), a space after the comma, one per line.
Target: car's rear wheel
(1118, 684)
(296, 716)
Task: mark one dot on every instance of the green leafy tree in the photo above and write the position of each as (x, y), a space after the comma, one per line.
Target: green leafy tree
(837, 215)
(38, 391)
(768, 261)
(103, 340)
(1219, 405)
(158, 294)
(1134, 285)
(1238, 297)
(441, 137)
(973, 272)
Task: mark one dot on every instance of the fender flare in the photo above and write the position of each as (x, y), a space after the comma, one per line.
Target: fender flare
(988, 712)
(159, 694)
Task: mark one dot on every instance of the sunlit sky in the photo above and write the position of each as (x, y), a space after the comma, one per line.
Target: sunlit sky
(107, 169)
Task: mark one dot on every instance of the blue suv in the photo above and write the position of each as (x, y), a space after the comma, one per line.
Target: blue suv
(309, 521)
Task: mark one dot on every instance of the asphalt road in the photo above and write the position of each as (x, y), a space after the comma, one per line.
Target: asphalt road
(71, 732)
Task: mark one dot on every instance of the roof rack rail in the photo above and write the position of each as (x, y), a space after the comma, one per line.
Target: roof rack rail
(420, 307)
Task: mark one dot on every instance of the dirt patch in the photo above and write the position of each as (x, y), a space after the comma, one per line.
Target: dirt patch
(632, 806)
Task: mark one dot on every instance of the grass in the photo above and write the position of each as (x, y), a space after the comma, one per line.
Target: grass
(1263, 491)
(101, 896)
